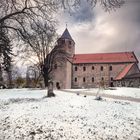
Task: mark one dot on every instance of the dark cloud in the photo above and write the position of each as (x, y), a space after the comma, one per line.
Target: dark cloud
(84, 13)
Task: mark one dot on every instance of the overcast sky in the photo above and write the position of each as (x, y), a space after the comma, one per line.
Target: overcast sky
(96, 31)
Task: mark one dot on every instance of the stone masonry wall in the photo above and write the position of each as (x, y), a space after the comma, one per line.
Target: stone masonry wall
(92, 75)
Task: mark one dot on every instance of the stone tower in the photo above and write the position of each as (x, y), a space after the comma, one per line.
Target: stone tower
(62, 73)
(67, 43)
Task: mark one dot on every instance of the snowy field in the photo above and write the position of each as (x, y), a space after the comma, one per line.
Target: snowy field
(26, 115)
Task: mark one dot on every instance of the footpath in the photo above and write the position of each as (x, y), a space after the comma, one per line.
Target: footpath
(104, 95)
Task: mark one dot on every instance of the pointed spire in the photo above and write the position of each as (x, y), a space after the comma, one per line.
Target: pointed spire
(66, 35)
(66, 24)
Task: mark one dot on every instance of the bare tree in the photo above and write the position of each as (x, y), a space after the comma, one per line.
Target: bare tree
(16, 17)
(6, 55)
(107, 5)
(19, 13)
(32, 76)
(1, 78)
(39, 41)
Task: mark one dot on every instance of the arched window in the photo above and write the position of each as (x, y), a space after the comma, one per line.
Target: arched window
(76, 68)
(92, 79)
(92, 67)
(84, 68)
(69, 42)
(102, 68)
(75, 79)
(84, 79)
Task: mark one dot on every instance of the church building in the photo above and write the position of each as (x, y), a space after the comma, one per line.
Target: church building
(87, 70)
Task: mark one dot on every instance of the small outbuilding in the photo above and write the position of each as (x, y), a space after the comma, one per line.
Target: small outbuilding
(128, 77)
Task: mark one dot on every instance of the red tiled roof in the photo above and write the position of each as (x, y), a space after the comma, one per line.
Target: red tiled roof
(123, 73)
(105, 58)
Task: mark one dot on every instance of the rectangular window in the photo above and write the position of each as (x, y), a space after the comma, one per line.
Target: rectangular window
(84, 68)
(102, 68)
(92, 79)
(110, 68)
(84, 79)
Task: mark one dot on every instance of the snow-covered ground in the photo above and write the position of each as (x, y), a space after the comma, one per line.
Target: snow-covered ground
(26, 115)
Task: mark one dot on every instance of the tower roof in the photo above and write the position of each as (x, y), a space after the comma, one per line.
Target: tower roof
(66, 35)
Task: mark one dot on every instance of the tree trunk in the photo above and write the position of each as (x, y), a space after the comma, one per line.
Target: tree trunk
(1, 79)
(10, 85)
(50, 89)
(45, 75)
(46, 79)
(2, 85)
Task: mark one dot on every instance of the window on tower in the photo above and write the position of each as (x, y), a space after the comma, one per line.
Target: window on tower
(76, 68)
(63, 41)
(69, 42)
(75, 79)
(92, 79)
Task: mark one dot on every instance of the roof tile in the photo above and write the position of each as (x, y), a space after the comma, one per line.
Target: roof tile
(105, 58)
